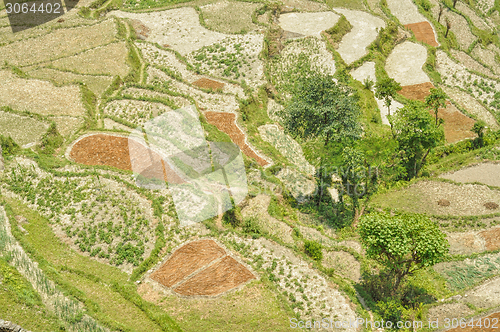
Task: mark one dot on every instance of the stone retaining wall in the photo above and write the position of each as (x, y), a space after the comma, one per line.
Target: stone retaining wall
(6, 326)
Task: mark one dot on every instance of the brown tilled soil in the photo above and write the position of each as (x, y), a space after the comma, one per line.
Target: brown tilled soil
(100, 149)
(478, 328)
(201, 268)
(491, 238)
(423, 32)
(467, 243)
(218, 278)
(141, 30)
(206, 83)
(417, 91)
(186, 260)
(226, 122)
(457, 126)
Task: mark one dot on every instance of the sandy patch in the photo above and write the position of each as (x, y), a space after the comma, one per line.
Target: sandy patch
(180, 28)
(287, 146)
(257, 208)
(406, 11)
(308, 24)
(472, 106)
(405, 63)
(40, 97)
(138, 93)
(342, 263)
(486, 295)
(364, 32)
(465, 243)
(486, 173)
(108, 60)
(471, 64)
(366, 71)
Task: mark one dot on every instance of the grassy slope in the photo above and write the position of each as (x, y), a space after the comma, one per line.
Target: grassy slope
(98, 290)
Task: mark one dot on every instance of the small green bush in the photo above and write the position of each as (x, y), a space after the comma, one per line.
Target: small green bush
(9, 147)
(251, 227)
(340, 29)
(314, 250)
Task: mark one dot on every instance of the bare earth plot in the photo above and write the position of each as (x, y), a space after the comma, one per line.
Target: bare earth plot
(138, 93)
(226, 122)
(308, 24)
(60, 43)
(423, 197)
(405, 62)
(476, 20)
(467, 243)
(471, 105)
(407, 13)
(16, 126)
(364, 32)
(457, 126)
(108, 60)
(202, 268)
(460, 27)
(487, 55)
(229, 16)
(179, 28)
(67, 125)
(487, 173)
(343, 263)
(40, 97)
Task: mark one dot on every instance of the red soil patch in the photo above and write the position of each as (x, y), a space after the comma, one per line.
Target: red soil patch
(492, 238)
(206, 83)
(480, 328)
(457, 126)
(182, 270)
(423, 32)
(417, 91)
(100, 149)
(226, 122)
(186, 260)
(218, 278)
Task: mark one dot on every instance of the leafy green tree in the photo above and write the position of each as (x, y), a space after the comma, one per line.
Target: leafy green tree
(402, 243)
(322, 108)
(435, 100)
(416, 134)
(478, 129)
(387, 89)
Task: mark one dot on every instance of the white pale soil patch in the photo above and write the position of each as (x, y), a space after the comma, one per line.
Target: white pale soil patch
(287, 146)
(342, 263)
(405, 62)
(456, 75)
(167, 59)
(298, 282)
(113, 125)
(367, 71)
(24, 130)
(138, 93)
(257, 208)
(179, 28)
(308, 24)
(485, 5)
(486, 173)
(364, 31)
(273, 110)
(476, 19)
(472, 106)
(315, 235)
(67, 125)
(406, 11)
(300, 186)
(215, 102)
(40, 97)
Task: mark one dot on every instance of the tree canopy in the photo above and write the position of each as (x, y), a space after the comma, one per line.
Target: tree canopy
(323, 108)
(402, 243)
